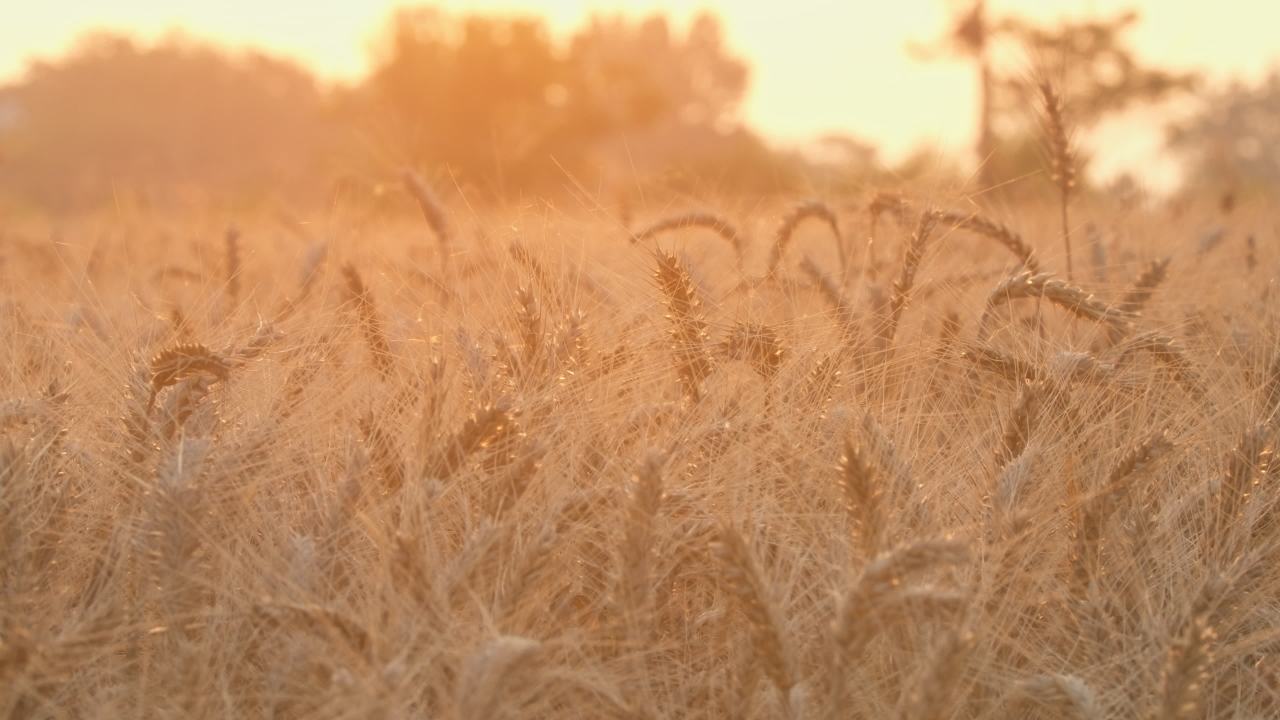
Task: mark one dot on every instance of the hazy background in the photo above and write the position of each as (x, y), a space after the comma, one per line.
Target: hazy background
(880, 76)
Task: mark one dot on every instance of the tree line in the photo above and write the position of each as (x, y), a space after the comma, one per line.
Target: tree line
(496, 105)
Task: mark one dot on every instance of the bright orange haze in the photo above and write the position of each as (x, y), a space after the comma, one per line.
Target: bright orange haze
(817, 65)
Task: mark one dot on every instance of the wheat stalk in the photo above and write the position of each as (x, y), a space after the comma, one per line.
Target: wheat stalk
(639, 534)
(970, 221)
(862, 495)
(815, 210)
(1145, 285)
(232, 260)
(688, 328)
(1075, 300)
(748, 585)
(180, 362)
(716, 224)
(911, 260)
(432, 210)
(757, 344)
(375, 336)
(1067, 695)
(1062, 157)
(489, 672)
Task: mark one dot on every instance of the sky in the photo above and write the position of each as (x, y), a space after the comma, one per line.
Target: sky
(817, 65)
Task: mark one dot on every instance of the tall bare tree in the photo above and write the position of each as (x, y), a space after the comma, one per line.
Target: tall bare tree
(1096, 71)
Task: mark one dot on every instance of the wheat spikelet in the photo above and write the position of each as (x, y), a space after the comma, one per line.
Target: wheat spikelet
(1015, 370)
(573, 351)
(535, 268)
(636, 555)
(911, 260)
(263, 338)
(1062, 160)
(375, 336)
(1079, 366)
(1067, 695)
(757, 344)
(1170, 354)
(183, 403)
(432, 210)
(988, 228)
(820, 383)
(1018, 424)
(688, 328)
(1186, 670)
(884, 455)
(1095, 510)
(1007, 518)
(316, 620)
(529, 321)
(489, 672)
(138, 428)
(862, 495)
(526, 569)
(1145, 285)
(177, 497)
(300, 377)
(1069, 297)
(1138, 460)
(882, 579)
(748, 585)
(511, 487)
(933, 697)
(180, 362)
(479, 431)
(1247, 462)
(383, 452)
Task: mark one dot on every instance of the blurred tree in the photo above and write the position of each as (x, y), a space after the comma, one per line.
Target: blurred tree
(492, 101)
(477, 95)
(113, 120)
(1092, 68)
(969, 37)
(1233, 143)
(1091, 65)
(635, 75)
(497, 103)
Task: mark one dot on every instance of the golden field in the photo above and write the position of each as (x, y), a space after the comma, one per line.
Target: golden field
(872, 456)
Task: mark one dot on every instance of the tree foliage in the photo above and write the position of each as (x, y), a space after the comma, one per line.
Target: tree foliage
(114, 119)
(1090, 63)
(498, 103)
(492, 101)
(1234, 141)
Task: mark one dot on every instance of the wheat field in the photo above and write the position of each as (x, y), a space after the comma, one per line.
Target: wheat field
(859, 457)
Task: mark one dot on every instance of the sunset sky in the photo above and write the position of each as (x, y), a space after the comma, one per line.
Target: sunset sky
(817, 65)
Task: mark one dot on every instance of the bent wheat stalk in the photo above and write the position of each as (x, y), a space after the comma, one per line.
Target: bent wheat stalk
(714, 223)
(782, 237)
(911, 260)
(1069, 297)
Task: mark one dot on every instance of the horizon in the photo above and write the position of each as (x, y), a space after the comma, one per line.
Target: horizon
(893, 108)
